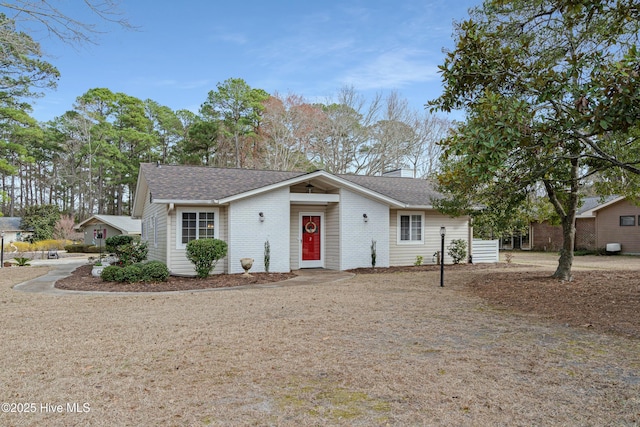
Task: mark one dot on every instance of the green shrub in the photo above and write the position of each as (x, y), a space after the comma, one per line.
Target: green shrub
(112, 273)
(93, 249)
(75, 249)
(22, 261)
(419, 260)
(132, 273)
(131, 253)
(155, 271)
(205, 253)
(114, 241)
(457, 250)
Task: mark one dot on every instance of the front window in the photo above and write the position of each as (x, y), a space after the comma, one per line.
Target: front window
(193, 225)
(410, 227)
(627, 220)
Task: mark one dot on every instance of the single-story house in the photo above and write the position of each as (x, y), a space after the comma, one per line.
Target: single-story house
(309, 220)
(599, 221)
(100, 227)
(11, 227)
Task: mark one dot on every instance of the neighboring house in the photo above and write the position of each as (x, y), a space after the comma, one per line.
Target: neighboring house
(13, 232)
(100, 227)
(598, 222)
(311, 220)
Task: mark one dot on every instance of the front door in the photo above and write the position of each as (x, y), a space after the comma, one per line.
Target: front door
(311, 237)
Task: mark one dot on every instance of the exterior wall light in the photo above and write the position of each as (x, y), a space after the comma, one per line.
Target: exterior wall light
(365, 217)
(261, 216)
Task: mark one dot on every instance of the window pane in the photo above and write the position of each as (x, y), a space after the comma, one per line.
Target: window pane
(416, 227)
(404, 227)
(627, 220)
(188, 227)
(206, 225)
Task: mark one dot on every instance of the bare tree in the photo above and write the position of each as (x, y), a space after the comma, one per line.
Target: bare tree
(423, 151)
(36, 15)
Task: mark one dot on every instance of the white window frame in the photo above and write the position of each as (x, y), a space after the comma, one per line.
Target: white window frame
(197, 210)
(399, 227)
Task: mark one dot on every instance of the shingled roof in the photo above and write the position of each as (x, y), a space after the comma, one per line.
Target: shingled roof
(168, 182)
(199, 183)
(410, 191)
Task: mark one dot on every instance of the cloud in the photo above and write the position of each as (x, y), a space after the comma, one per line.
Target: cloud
(393, 69)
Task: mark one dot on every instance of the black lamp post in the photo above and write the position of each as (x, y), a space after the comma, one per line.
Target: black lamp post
(442, 233)
(2, 249)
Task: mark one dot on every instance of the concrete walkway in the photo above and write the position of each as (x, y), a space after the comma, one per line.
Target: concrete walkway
(63, 267)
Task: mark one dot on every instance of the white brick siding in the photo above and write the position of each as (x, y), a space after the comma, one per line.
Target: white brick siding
(356, 234)
(247, 234)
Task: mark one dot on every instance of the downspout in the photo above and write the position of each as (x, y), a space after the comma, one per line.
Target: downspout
(170, 209)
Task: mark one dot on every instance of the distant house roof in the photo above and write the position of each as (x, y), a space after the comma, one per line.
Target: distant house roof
(199, 184)
(125, 224)
(592, 204)
(10, 223)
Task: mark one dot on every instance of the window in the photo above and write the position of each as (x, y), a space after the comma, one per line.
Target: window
(410, 228)
(627, 220)
(194, 225)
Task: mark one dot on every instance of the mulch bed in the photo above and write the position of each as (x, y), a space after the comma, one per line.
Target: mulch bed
(82, 280)
(605, 301)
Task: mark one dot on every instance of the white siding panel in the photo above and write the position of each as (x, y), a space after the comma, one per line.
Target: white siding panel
(332, 237)
(179, 264)
(485, 251)
(356, 234)
(247, 234)
(405, 254)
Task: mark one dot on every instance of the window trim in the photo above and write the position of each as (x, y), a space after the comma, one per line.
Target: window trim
(399, 227)
(633, 217)
(198, 211)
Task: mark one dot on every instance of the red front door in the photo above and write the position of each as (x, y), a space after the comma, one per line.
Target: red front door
(311, 249)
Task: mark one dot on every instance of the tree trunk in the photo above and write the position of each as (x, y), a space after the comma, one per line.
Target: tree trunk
(563, 272)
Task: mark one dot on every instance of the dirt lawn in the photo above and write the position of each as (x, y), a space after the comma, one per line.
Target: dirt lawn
(495, 346)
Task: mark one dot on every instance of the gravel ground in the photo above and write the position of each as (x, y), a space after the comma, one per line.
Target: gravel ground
(383, 349)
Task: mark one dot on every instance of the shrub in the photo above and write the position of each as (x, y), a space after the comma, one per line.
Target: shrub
(112, 273)
(132, 273)
(419, 260)
(155, 271)
(205, 253)
(131, 253)
(114, 241)
(267, 255)
(22, 261)
(75, 249)
(457, 250)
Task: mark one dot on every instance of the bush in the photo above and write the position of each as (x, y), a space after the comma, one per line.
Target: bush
(112, 273)
(457, 250)
(155, 271)
(75, 249)
(205, 253)
(131, 253)
(114, 241)
(132, 273)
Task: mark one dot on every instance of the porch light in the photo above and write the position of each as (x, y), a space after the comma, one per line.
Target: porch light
(365, 217)
(261, 216)
(443, 231)
(309, 188)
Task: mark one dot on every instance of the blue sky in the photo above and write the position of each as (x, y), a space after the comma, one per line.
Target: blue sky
(181, 50)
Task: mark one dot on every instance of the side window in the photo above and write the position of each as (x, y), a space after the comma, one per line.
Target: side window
(410, 227)
(627, 220)
(192, 225)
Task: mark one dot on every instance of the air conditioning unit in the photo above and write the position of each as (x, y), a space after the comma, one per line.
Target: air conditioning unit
(613, 248)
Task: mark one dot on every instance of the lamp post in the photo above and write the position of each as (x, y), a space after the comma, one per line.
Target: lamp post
(2, 249)
(443, 230)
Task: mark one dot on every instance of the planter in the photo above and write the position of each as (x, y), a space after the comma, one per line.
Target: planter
(96, 271)
(246, 264)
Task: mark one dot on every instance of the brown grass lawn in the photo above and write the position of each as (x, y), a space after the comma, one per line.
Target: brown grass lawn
(378, 349)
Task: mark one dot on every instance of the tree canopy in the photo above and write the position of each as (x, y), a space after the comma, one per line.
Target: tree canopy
(551, 89)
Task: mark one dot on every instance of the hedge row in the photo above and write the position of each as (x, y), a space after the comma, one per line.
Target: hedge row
(152, 271)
